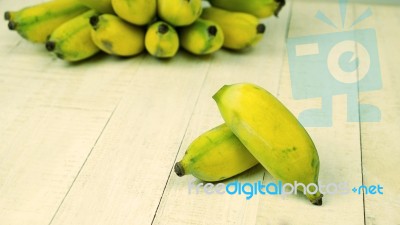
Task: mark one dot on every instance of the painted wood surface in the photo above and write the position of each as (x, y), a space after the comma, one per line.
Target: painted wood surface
(95, 142)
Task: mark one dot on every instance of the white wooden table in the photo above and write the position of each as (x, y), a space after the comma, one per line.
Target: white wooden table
(95, 142)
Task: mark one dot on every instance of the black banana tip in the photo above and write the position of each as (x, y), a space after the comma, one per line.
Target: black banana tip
(281, 3)
(318, 201)
(94, 20)
(261, 28)
(50, 46)
(163, 28)
(12, 25)
(212, 30)
(7, 15)
(178, 168)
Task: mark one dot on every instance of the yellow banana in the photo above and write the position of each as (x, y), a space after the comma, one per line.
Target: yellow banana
(72, 40)
(35, 23)
(102, 6)
(115, 36)
(161, 40)
(215, 155)
(179, 12)
(138, 12)
(259, 8)
(272, 135)
(202, 37)
(241, 30)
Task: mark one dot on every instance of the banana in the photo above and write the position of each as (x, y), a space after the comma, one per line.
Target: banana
(35, 23)
(259, 8)
(115, 36)
(215, 155)
(202, 37)
(138, 12)
(241, 30)
(179, 12)
(72, 40)
(102, 6)
(161, 40)
(272, 135)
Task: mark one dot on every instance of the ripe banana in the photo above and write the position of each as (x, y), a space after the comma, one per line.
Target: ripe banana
(202, 37)
(272, 135)
(138, 12)
(161, 40)
(179, 12)
(102, 6)
(115, 36)
(72, 40)
(241, 30)
(35, 23)
(259, 8)
(215, 155)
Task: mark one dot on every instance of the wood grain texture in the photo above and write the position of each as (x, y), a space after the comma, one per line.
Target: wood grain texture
(95, 142)
(379, 140)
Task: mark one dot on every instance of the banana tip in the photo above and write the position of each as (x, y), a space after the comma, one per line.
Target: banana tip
(163, 28)
(281, 3)
(7, 15)
(178, 168)
(94, 20)
(50, 46)
(261, 28)
(317, 202)
(212, 30)
(12, 25)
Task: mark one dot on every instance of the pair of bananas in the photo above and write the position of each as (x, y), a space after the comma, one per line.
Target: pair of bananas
(78, 29)
(258, 128)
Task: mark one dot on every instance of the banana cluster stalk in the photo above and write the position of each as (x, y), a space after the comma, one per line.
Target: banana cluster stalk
(36, 23)
(128, 27)
(115, 36)
(215, 155)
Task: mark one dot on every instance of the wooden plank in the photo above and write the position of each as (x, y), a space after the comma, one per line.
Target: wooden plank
(379, 140)
(338, 145)
(123, 180)
(262, 65)
(51, 116)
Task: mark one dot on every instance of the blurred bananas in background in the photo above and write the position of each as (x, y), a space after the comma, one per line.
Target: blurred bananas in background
(75, 30)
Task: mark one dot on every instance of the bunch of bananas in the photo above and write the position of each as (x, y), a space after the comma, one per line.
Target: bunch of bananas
(75, 30)
(258, 128)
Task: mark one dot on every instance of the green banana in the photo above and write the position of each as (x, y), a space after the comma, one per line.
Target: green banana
(115, 36)
(138, 12)
(272, 135)
(179, 12)
(161, 40)
(259, 8)
(241, 30)
(215, 155)
(202, 37)
(102, 6)
(35, 23)
(72, 40)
